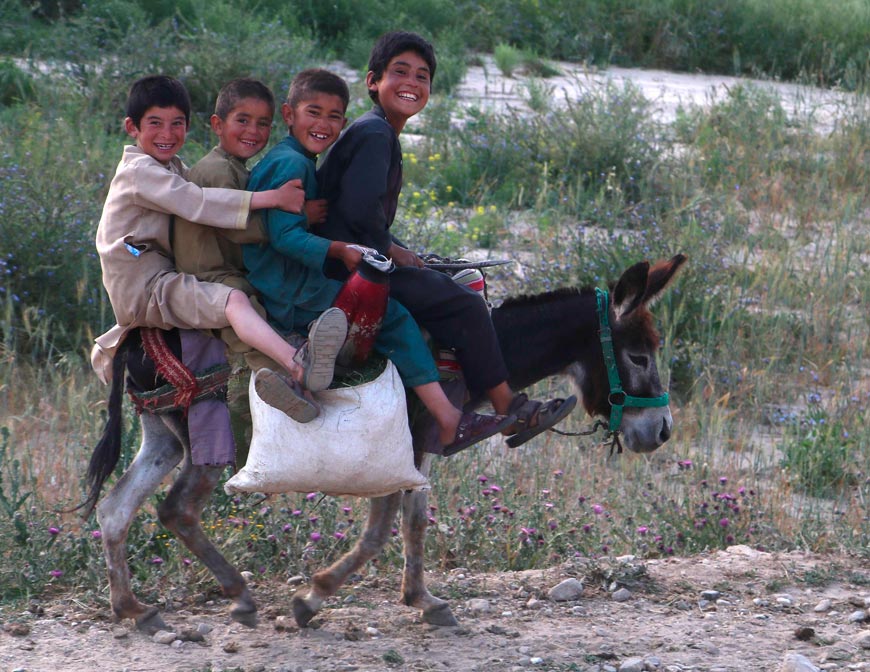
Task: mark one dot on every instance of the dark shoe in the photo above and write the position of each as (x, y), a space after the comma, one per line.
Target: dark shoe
(285, 394)
(317, 357)
(534, 417)
(474, 427)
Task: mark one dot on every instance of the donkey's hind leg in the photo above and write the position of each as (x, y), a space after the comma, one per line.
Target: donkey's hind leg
(181, 512)
(415, 520)
(160, 451)
(325, 583)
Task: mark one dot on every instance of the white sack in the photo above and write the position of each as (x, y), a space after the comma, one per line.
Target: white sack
(359, 445)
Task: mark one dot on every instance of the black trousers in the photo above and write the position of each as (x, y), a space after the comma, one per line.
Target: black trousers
(457, 318)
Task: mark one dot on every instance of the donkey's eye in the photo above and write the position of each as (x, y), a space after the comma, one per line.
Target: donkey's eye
(639, 360)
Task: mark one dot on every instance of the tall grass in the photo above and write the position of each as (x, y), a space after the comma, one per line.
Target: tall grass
(762, 336)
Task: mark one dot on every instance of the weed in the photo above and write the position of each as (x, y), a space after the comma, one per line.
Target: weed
(507, 59)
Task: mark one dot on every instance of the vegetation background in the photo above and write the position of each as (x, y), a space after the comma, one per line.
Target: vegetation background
(763, 336)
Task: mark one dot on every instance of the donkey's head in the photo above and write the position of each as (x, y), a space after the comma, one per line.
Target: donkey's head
(625, 385)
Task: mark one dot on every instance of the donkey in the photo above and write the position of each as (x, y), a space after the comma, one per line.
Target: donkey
(604, 341)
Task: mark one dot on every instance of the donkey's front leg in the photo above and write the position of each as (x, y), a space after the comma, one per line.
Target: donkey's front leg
(160, 452)
(181, 512)
(415, 520)
(325, 583)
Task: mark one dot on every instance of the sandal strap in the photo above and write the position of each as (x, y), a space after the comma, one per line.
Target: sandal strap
(525, 409)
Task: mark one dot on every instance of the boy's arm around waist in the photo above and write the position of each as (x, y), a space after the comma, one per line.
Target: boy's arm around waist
(223, 175)
(154, 188)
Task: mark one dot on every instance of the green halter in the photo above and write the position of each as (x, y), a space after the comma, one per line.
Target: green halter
(616, 391)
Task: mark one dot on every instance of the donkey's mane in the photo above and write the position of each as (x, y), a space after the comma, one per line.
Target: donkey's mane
(544, 298)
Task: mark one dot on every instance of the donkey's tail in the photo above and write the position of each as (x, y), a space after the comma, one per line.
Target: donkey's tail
(108, 450)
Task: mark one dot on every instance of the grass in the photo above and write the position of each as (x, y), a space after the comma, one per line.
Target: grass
(763, 334)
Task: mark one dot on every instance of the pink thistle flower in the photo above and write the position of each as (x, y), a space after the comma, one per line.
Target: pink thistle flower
(315, 536)
(156, 560)
(53, 531)
(187, 562)
(310, 496)
(597, 509)
(482, 479)
(56, 573)
(495, 488)
(338, 535)
(642, 530)
(96, 534)
(724, 522)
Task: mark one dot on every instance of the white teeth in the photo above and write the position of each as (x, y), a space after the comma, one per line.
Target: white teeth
(319, 136)
(408, 96)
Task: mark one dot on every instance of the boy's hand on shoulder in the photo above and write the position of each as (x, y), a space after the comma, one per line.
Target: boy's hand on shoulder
(350, 255)
(402, 257)
(315, 211)
(291, 196)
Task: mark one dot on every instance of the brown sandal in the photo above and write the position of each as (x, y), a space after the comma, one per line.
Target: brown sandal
(474, 427)
(544, 415)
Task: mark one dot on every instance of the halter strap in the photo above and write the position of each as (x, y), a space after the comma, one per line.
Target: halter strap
(617, 398)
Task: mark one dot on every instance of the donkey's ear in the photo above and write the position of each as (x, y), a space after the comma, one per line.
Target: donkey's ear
(661, 275)
(629, 291)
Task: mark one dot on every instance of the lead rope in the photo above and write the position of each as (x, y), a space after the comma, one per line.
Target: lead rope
(615, 442)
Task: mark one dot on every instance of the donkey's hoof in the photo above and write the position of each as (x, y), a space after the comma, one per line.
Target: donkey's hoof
(151, 621)
(302, 612)
(440, 614)
(245, 615)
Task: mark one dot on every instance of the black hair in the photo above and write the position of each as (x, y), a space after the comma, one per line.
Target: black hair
(390, 45)
(156, 91)
(238, 89)
(317, 80)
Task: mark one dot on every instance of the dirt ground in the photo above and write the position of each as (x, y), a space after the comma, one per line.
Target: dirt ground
(767, 605)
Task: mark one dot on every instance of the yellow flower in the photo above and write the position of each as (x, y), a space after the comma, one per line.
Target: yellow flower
(416, 194)
(449, 189)
(492, 208)
(480, 210)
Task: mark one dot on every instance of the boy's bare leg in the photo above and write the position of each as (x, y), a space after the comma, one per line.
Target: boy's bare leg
(446, 414)
(457, 430)
(257, 333)
(500, 397)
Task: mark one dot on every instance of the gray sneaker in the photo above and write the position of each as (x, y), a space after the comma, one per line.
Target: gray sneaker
(317, 357)
(282, 392)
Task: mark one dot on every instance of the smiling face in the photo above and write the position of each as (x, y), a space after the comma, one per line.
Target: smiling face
(246, 129)
(161, 132)
(403, 90)
(316, 121)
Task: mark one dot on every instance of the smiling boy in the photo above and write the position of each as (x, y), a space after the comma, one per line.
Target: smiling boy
(361, 179)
